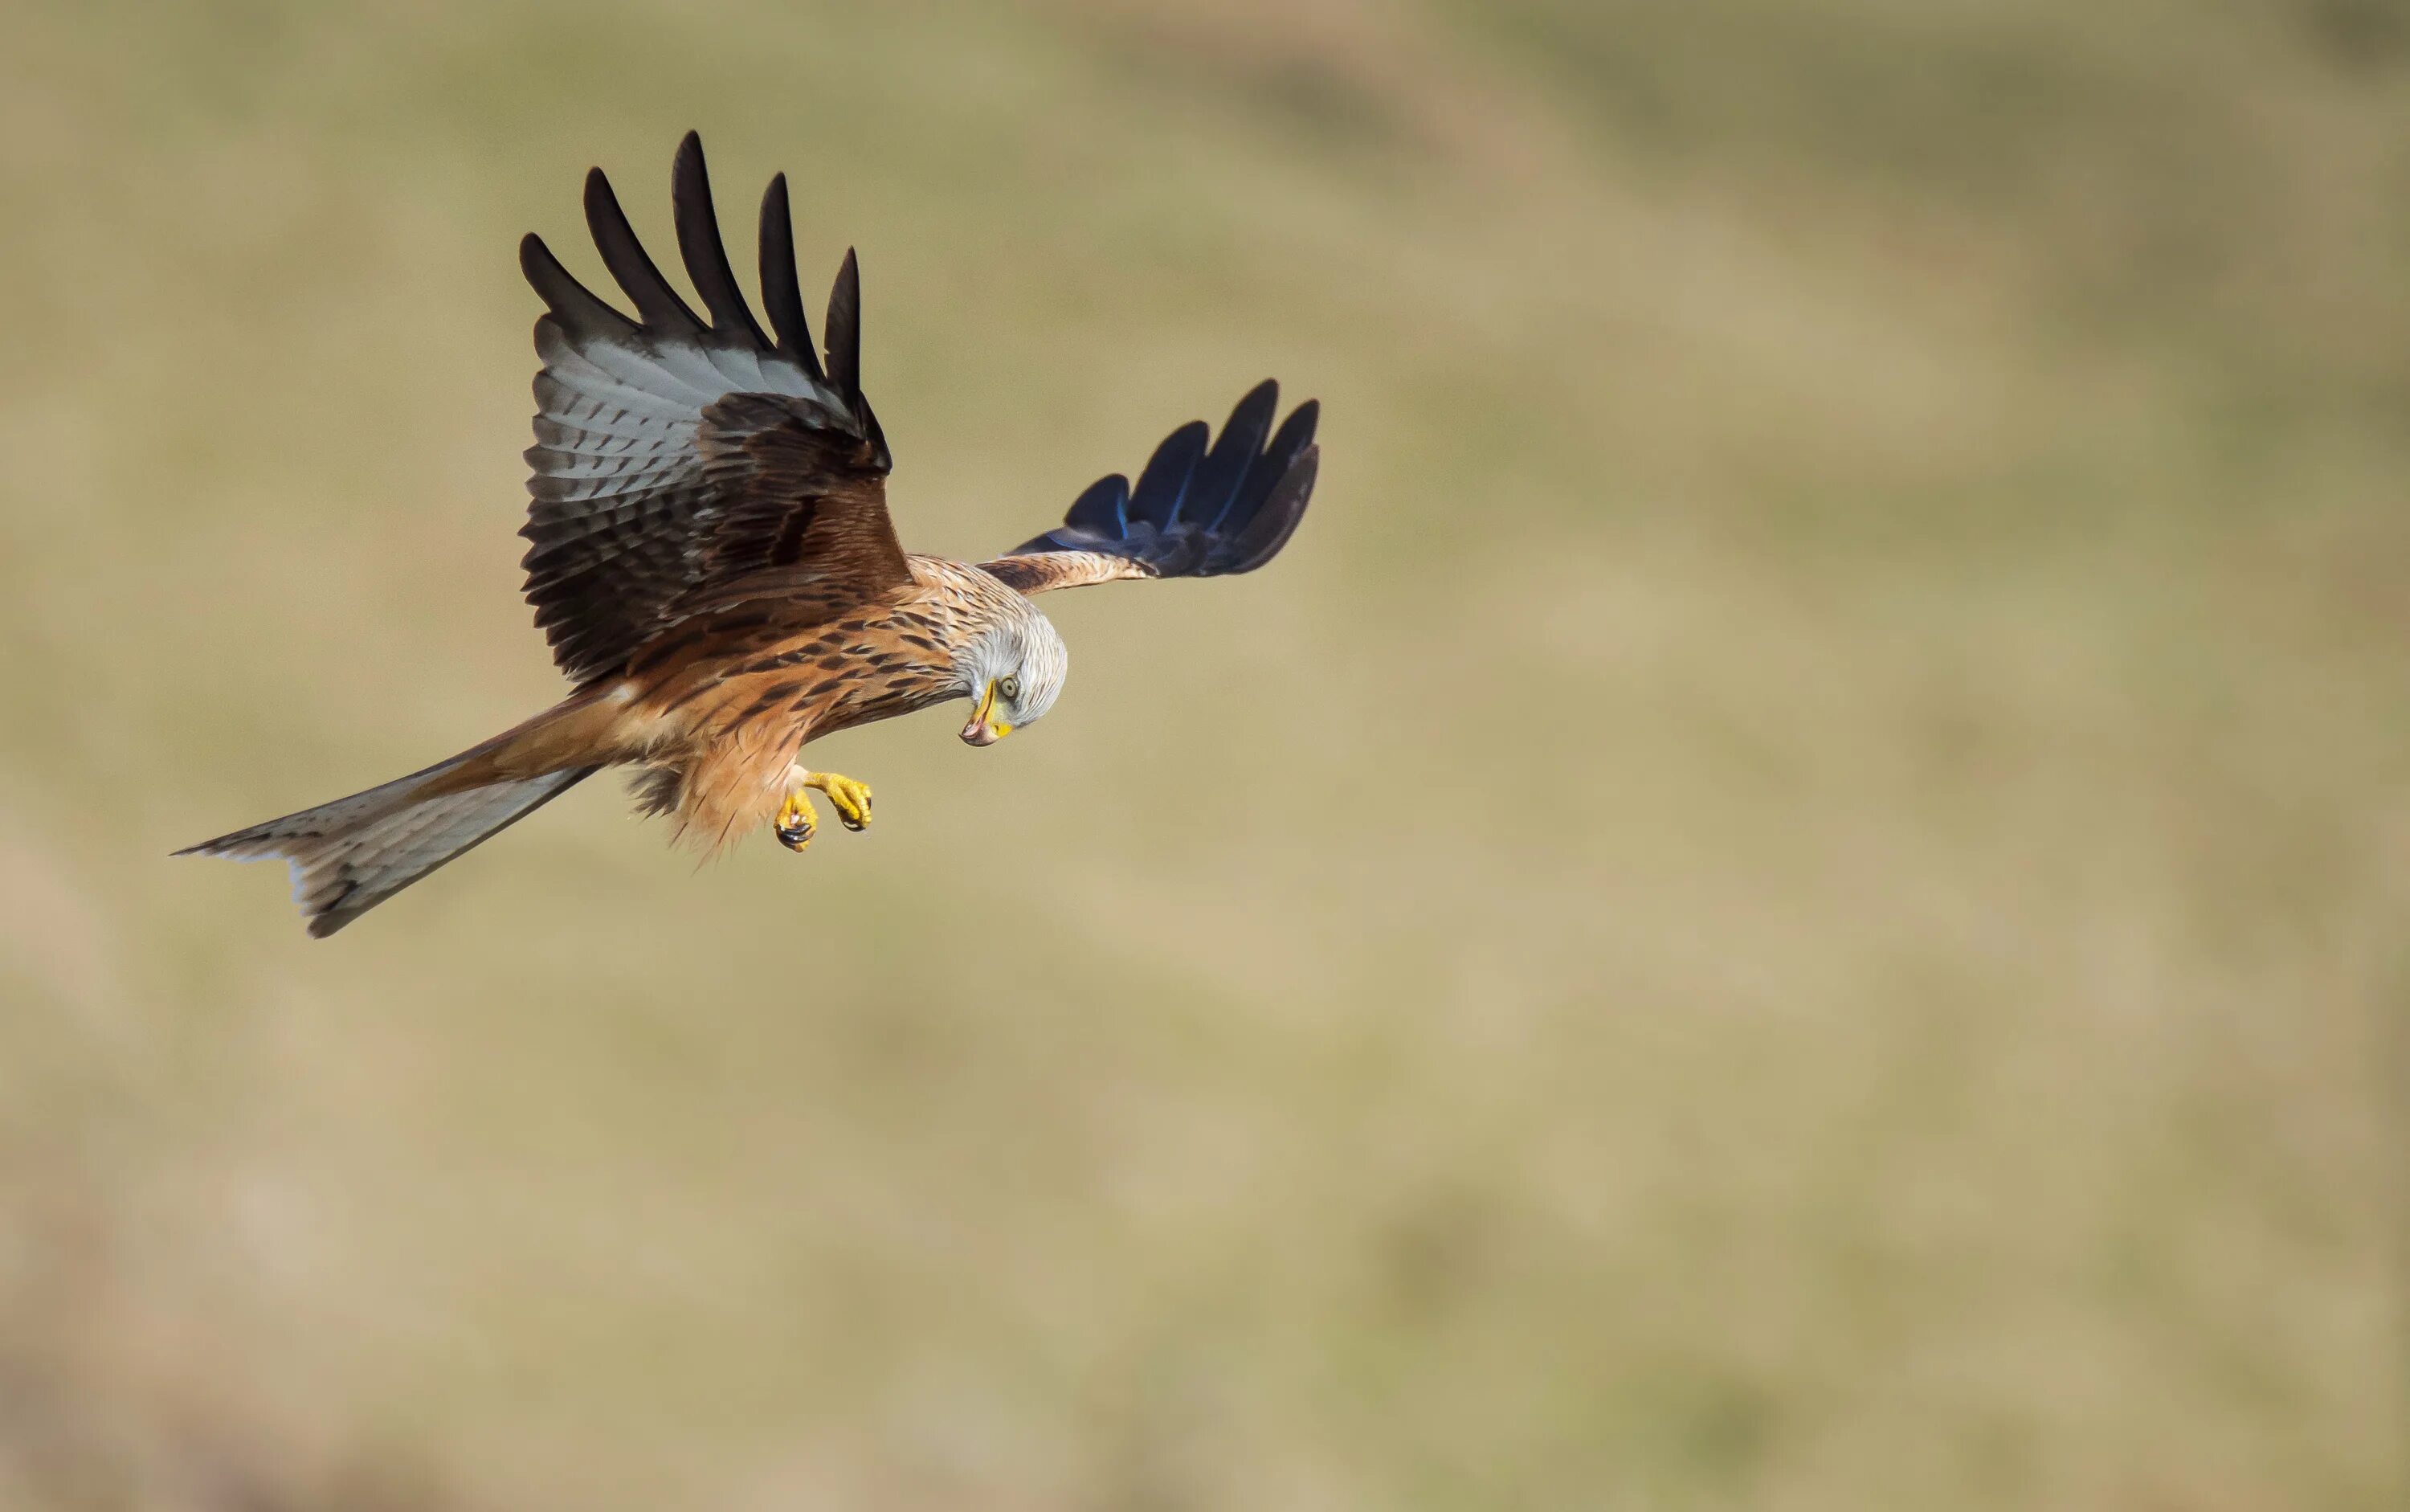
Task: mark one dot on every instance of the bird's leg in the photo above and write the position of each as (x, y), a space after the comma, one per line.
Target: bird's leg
(796, 821)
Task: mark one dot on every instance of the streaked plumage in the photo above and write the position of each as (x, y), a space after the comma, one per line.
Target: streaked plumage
(711, 559)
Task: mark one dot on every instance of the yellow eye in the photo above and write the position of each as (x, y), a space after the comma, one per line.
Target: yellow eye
(1009, 688)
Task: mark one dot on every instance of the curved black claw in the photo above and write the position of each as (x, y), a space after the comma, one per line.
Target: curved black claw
(794, 837)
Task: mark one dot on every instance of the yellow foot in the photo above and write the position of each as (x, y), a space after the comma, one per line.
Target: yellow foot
(852, 799)
(796, 821)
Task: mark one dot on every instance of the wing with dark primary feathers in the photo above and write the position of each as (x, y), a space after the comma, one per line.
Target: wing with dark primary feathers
(676, 456)
(1198, 511)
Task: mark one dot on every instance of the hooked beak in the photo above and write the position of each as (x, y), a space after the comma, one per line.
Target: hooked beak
(983, 731)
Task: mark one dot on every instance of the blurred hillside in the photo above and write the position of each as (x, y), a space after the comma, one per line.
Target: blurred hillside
(1792, 897)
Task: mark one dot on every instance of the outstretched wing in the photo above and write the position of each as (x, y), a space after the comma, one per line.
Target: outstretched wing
(676, 458)
(1197, 512)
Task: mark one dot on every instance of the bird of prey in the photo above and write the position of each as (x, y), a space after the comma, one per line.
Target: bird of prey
(712, 561)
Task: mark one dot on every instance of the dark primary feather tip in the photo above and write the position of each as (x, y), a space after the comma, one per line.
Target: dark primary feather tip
(700, 247)
(1102, 508)
(630, 264)
(782, 294)
(1218, 476)
(1156, 498)
(570, 302)
(1298, 430)
(1255, 406)
(1277, 520)
(1295, 435)
(843, 327)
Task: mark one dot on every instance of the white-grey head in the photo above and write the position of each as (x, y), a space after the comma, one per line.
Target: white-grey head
(1012, 674)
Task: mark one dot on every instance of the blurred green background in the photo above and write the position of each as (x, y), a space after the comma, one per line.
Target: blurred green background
(1791, 897)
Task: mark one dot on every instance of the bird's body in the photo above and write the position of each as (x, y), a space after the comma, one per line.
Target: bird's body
(712, 559)
(715, 710)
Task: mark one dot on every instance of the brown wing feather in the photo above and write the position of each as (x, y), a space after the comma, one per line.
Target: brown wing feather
(675, 460)
(803, 495)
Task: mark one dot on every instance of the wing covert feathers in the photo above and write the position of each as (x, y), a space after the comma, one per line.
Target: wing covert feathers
(650, 482)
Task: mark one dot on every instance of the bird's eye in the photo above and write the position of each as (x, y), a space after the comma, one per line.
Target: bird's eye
(1009, 688)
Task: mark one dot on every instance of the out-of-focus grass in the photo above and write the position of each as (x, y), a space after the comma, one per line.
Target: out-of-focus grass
(1791, 897)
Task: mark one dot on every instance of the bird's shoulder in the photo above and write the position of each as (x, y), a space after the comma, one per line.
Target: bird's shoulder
(964, 587)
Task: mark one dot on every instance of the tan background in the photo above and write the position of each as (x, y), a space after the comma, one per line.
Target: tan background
(1792, 897)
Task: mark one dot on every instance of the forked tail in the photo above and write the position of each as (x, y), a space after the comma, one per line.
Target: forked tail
(352, 854)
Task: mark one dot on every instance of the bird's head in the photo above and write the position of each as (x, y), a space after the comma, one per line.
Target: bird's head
(1012, 676)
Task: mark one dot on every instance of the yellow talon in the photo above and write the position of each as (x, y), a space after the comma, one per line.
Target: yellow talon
(796, 821)
(852, 799)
